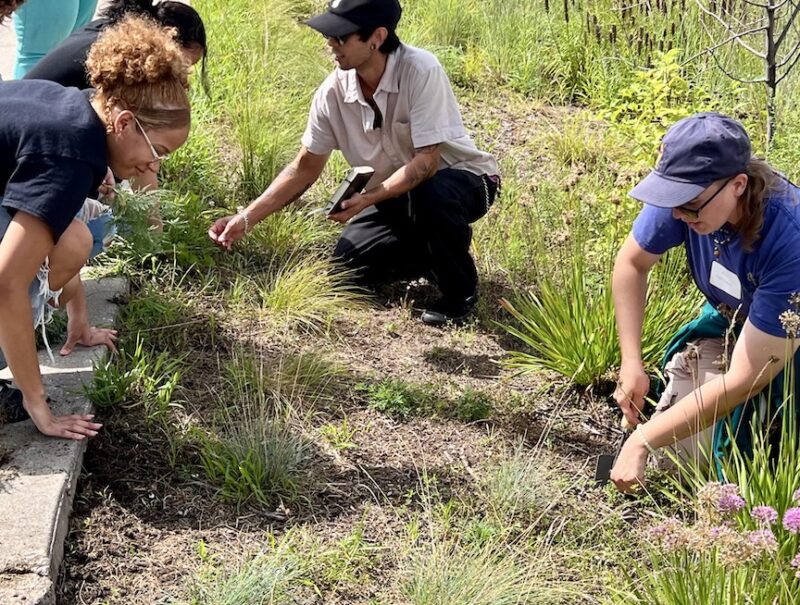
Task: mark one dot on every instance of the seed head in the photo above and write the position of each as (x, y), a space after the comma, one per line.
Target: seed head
(790, 321)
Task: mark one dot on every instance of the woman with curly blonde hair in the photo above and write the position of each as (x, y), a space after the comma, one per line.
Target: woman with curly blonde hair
(57, 146)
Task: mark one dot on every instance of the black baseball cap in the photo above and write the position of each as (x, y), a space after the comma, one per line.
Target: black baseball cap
(345, 17)
(695, 152)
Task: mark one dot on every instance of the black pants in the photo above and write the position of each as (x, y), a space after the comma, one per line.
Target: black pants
(424, 233)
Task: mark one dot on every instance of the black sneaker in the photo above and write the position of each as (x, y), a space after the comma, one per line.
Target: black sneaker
(445, 311)
(11, 408)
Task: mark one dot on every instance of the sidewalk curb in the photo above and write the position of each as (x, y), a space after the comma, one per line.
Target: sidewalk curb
(39, 475)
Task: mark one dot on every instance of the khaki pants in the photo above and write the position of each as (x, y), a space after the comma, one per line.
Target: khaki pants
(696, 364)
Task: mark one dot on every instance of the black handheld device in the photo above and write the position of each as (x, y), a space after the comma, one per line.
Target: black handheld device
(353, 183)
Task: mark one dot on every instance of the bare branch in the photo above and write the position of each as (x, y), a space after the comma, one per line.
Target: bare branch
(728, 40)
(791, 59)
(734, 77)
(788, 70)
(788, 26)
(756, 4)
(735, 37)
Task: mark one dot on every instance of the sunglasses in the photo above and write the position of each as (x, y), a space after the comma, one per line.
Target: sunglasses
(340, 40)
(694, 213)
(156, 158)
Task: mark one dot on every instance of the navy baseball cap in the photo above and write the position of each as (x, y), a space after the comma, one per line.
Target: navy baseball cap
(345, 17)
(695, 152)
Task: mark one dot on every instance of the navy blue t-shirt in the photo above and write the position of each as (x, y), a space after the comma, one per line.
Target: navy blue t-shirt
(767, 276)
(52, 151)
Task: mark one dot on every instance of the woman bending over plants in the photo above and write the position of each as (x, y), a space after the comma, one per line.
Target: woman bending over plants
(739, 223)
(57, 146)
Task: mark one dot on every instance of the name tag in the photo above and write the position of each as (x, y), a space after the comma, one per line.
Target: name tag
(725, 280)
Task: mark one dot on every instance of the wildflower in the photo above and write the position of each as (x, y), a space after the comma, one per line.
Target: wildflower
(796, 496)
(791, 520)
(670, 535)
(794, 300)
(730, 503)
(796, 564)
(764, 515)
(790, 320)
(720, 498)
(763, 540)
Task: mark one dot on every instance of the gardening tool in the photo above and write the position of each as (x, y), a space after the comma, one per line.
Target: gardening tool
(605, 462)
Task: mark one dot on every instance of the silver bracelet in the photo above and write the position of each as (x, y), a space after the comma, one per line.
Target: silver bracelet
(644, 440)
(241, 211)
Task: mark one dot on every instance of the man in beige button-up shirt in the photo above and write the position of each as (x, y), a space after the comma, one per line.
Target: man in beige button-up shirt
(389, 106)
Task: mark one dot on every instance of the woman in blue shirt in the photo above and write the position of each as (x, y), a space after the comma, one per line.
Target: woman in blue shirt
(56, 146)
(739, 222)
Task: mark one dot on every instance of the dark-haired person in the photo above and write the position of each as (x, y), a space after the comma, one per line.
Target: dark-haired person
(66, 63)
(739, 222)
(389, 106)
(7, 7)
(42, 24)
(56, 146)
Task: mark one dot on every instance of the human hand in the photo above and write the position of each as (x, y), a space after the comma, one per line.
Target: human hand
(351, 207)
(632, 386)
(227, 230)
(106, 189)
(628, 472)
(74, 426)
(89, 336)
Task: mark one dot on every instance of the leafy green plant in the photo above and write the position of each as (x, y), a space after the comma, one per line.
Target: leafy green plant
(395, 397)
(658, 97)
(569, 323)
(341, 436)
(137, 378)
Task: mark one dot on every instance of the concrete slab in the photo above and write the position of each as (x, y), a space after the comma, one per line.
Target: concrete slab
(38, 475)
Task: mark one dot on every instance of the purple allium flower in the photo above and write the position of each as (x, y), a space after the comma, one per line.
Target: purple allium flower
(764, 515)
(763, 539)
(730, 502)
(796, 496)
(796, 564)
(791, 520)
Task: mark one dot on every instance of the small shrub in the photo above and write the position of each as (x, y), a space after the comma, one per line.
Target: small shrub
(472, 406)
(395, 397)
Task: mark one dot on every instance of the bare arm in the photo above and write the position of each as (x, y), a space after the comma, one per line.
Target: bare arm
(292, 182)
(22, 250)
(422, 166)
(756, 359)
(629, 286)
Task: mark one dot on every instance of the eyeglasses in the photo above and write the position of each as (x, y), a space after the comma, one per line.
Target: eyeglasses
(339, 40)
(156, 157)
(694, 213)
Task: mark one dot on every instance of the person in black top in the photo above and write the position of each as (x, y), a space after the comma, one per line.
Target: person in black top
(66, 63)
(56, 147)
